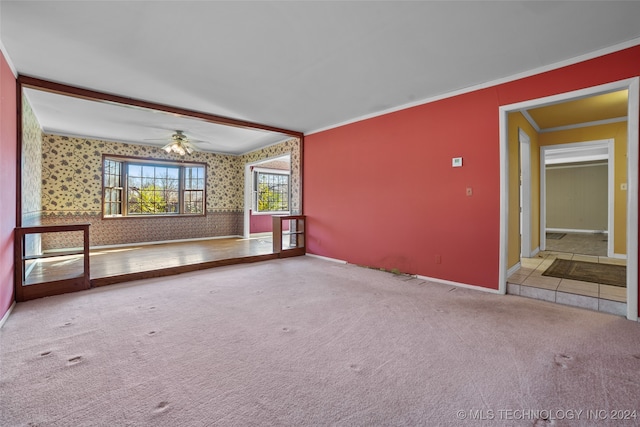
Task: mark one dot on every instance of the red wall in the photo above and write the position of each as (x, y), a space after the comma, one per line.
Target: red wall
(382, 193)
(8, 158)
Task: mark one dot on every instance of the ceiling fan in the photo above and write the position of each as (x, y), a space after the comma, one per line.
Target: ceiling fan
(179, 144)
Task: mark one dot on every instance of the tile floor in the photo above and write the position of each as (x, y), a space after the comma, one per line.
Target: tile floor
(528, 281)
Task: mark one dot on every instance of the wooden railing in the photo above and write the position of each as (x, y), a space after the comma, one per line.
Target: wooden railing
(291, 242)
(72, 281)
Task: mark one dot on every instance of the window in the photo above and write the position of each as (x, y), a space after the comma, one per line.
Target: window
(112, 188)
(152, 188)
(272, 191)
(193, 189)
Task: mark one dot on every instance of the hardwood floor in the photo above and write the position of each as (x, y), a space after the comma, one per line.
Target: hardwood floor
(119, 264)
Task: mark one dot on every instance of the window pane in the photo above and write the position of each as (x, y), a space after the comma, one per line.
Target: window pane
(173, 173)
(135, 171)
(148, 171)
(112, 184)
(273, 192)
(197, 177)
(135, 182)
(193, 202)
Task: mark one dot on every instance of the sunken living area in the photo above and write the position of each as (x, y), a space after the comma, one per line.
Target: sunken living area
(96, 212)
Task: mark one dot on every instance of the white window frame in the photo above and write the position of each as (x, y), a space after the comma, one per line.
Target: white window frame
(254, 198)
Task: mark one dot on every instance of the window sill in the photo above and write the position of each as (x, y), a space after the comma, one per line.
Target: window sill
(254, 213)
(154, 216)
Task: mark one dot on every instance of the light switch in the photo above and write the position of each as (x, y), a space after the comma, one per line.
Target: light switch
(623, 186)
(469, 191)
(456, 162)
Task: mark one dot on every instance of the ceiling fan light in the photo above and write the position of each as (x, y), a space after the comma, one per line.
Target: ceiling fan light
(179, 145)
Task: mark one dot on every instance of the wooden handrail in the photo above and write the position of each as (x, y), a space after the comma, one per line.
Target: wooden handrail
(53, 228)
(298, 235)
(24, 293)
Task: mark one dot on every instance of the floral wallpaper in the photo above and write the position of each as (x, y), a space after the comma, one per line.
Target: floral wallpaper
(31, 176)
(292, 147)
(72, 191)
(31, 166)
(72, 173)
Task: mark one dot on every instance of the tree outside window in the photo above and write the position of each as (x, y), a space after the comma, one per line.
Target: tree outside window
(272, 192)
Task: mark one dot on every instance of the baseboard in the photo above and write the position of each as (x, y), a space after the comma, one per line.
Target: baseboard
(155, 242)
(619, 256)
(459, 285)
(535, 252)
(6, 315)
(339, 261)
(572, 230)
(514, 269)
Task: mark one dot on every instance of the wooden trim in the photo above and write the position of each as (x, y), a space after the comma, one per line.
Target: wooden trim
(150, 216)
(301, 174)
(53, 228)
(57, 287)
(300, 249)
(87, 261)
(18, 269)
(54, 287)
(153, 160)
(92, 95)
(276, 229)
(170, 271)
(18, 155)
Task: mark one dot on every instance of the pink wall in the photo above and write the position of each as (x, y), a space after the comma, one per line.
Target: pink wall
(260, 223)
(263, 224)
(8, 132)
(382, 193)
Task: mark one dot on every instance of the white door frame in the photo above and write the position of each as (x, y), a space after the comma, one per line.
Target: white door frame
(609, 144)
(248, 186)
(525, 162)
(633, 110)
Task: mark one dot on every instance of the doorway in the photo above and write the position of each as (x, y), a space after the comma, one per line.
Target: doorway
(577, 198)
(267, 193)
(630, 85)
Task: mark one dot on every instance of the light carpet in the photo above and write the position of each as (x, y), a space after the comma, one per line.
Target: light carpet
(303, 341)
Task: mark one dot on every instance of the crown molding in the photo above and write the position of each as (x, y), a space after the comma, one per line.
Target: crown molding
(539, 70)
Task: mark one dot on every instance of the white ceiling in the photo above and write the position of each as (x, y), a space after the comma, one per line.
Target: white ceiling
(65, 115)
(298, 65)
